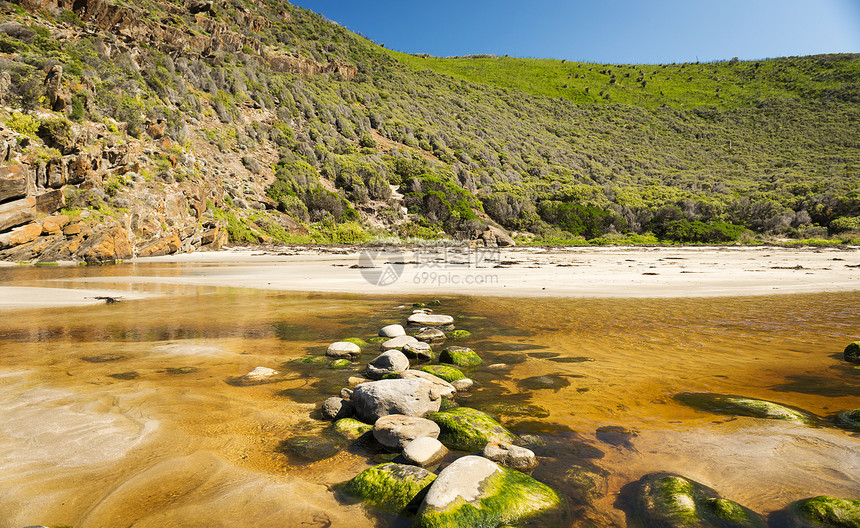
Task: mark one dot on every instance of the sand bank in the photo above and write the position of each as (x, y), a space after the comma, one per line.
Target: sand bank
(556, 272)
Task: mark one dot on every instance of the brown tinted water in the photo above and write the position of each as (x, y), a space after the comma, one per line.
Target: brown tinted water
(124, 414)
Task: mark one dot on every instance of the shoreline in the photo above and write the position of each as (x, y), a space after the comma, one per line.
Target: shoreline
(580, 272)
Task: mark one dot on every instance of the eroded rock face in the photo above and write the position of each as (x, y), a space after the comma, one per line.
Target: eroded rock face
(412, 397)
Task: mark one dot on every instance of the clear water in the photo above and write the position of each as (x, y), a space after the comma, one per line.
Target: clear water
(123, 414)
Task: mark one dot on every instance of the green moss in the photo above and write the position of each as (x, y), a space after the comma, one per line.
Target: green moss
(468, 429)
(850, 418)
(673, 501)
(460, 356)
(340, 364)
(378, 339)
(852, 352)
(313, 360)
(826, 512)
(361, 343)
(458, 334)
(508, 496)
(310, 447)
(390, 487)
(740, 406)
(350, 428)
(446, 372)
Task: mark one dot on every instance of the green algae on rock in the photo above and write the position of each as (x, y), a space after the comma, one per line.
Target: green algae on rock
(310, 447)
(458, 334)
(391, 487)
(460, 356)
(825, 512)
(473, 491)
(350, 428)
(671, 501)
(741, 406)
(852, 352)
(360, 343)
(445, 372)
(850, 418)
(468, 429)
(340, 364)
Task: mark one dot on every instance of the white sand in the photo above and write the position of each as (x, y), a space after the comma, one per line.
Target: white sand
(526, 272)
(17, 297)
(557, 272)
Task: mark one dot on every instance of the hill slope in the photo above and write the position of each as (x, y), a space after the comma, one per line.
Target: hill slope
(161, 127)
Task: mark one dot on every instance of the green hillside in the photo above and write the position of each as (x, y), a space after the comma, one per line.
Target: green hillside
(724, 85)
(559, 151)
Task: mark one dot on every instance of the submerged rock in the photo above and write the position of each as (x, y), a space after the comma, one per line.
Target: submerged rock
(310, 447)
(468, 429)
(395, 430)
(424, 451)
(343, 350)
(740, 406)
(511, 456)
(391, 362)
(850, 418)
(459, 334)
(460, 356)
(587, 482)
(390, 331)
(338, 364)
(671, 501)
(474, 491)
(824, 512)
(852, 352)
(350, 428)
(257, 376)
(391, 487)
(412, 397)
(445, 372)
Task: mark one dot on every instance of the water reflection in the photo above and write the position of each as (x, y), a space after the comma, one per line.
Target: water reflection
(132, 401)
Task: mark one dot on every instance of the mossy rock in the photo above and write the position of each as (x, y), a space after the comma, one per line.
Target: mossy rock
(850, 418)
(391, 487)
(825, 512)
(310, 447)
(313, 360)
(446, 372)
(446, 404)
(340, 364)
(741, 406)
(852, 352)
(360, 343)
(516, 409)
(460, 356)
(671, 501)
(350, 428)
(419, 305)
(468, 429)
(434, 302)
(505, 497)
(587, 481)
(182, 370)
(378, 339)
(458, 334)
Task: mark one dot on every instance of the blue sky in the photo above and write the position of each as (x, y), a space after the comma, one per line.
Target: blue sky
(610, 31)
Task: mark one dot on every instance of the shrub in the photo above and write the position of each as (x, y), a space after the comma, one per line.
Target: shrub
(844, 224)
(23, 124)
(56, 132)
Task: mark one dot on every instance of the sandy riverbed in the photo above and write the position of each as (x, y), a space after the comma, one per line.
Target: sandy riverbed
(553, 272)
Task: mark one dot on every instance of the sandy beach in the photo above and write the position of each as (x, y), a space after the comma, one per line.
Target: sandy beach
(526, 272)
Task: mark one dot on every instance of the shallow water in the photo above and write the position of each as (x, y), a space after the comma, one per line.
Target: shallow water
(123, 414)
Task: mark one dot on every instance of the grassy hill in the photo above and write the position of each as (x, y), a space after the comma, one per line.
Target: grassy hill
(561, 151)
